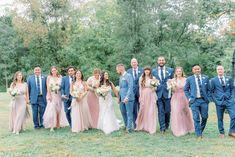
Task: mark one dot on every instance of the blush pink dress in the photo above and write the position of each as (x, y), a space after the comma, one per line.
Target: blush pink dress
(93, 102)
(147, 116)
(18, 109)
(80, 113)
(181, 116)
(54, 115)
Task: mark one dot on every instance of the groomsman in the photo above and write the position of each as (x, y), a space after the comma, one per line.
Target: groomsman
(197, 91)
(135, 72)
(222, 94)
(126, 96)
(163, 74)
(65, 92)
(37, 95)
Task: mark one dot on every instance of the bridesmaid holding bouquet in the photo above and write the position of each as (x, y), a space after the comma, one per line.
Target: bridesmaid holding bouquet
(181, 119)
(92, 99)
(18, 106)
(80, 113)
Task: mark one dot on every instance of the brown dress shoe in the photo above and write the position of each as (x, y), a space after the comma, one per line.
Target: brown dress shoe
(231, 135)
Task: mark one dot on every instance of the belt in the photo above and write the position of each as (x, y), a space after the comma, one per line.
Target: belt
(40, 95)
(200, 98)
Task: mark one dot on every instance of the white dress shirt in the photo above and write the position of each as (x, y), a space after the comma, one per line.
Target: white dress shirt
(164, 72)
(198, 90)
(40, 81)
(133, 72)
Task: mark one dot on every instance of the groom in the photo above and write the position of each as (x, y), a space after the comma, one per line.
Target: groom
(37, 95)
(126, 96)
(163, 74)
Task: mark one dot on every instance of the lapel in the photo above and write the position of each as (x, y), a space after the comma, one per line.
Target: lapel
(34, 81)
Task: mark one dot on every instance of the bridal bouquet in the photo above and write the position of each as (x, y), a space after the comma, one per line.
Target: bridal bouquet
(171, 84)
(54, 87)
(102, 91)
(95, 83)
(76, 93)
(13, 91)
(154, 83)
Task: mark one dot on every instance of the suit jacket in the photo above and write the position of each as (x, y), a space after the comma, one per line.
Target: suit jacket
(220, 94)
(65, 87)
(32, 87)
(126, 87)
(162, 88)
(190, 88)
(135, 82)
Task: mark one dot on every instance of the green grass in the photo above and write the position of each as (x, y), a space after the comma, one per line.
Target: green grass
(94, 143)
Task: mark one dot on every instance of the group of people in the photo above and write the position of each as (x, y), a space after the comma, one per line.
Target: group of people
(145, 96)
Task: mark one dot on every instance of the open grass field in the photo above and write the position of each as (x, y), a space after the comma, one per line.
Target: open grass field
(93, 143)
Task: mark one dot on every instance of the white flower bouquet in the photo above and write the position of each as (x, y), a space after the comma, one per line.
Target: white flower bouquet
(102, 91)
(54, 87)
(171, 84)
(13, 91)
(154, 83)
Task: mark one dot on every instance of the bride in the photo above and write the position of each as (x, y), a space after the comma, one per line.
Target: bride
(107, 121)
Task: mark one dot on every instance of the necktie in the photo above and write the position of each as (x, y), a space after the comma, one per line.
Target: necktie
(162, 75)
(135, 74)
(38, 86)
(222, 81)
(199, 85)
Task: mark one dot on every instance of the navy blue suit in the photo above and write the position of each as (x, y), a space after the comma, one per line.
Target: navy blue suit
(223, 97)
(65, 91)
(135, 91)
(164, 97)
(199, 105)
(38, 101)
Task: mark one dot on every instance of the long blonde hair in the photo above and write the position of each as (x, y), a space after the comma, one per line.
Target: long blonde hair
(183, 74)
(15, 78)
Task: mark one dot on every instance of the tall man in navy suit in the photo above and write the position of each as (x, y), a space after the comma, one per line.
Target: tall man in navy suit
(37, 95)
(135, 72)
(197, 91)
(65, 92)
(126, 97)
(163, 74)
(223, 97)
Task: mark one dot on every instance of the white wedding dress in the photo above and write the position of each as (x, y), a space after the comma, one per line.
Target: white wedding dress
(107, 119)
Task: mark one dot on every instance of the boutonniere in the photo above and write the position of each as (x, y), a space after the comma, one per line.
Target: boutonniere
(227, 79)
(138, 71)
(42, 77)
(203, 78)
(123, 79)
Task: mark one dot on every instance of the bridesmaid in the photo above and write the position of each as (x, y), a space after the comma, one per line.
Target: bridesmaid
(181, 116)
(18, 105)
(147, 116)
(92, 99)
(80, 113)
(54, 110)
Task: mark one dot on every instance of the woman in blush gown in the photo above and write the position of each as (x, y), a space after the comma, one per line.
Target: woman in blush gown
(54, 117)
(147, 116)
(92, 99)
(181, 116)
(18, 106)
(80, 113)
(107, 119)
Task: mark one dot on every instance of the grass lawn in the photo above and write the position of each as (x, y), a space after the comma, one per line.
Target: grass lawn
(93, 143)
